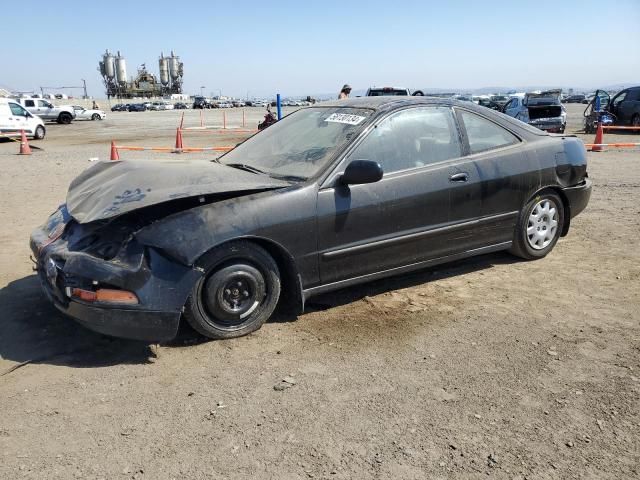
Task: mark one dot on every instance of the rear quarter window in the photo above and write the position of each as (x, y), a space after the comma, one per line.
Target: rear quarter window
(484, 135)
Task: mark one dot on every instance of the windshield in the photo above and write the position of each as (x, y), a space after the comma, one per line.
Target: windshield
(301, 144)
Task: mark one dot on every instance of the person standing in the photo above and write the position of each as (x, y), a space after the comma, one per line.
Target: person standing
(344, 93)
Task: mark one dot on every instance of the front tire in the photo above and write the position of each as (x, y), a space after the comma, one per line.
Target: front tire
(237, 293)
(539, 226)
(635, 120)
(95, 116)
(39, 133)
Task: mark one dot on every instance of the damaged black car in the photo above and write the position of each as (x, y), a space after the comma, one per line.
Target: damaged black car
(330, 196)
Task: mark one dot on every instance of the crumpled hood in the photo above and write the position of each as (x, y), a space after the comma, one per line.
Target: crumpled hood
(109, 189)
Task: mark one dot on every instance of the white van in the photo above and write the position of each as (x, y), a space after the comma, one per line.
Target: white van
(14, 118)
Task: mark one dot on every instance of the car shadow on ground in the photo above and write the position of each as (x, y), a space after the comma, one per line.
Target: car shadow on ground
(32, 330)
(419, 277)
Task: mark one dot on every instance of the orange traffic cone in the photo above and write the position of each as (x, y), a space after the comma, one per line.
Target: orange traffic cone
(25, 149)
(114, 151)
(179, 140)
(598, 140)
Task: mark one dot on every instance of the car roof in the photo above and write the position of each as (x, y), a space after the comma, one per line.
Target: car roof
(386, 102)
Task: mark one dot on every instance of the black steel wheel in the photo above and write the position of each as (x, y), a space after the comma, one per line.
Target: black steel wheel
(539, 226)
(237, 293)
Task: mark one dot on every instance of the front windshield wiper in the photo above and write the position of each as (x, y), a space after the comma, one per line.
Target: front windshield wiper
(293, 178)
(244, 166)
(249, 168)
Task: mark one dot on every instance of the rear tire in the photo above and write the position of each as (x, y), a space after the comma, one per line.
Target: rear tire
(539, 226)
(65, 118)
(238, 292)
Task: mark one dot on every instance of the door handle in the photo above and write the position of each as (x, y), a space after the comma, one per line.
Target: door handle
(459, 177)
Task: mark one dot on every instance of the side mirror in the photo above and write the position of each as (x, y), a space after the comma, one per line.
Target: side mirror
(361, 171)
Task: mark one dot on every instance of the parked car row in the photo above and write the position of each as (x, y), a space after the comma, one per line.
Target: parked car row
(143, 107)
(31, 113)
(202, 102)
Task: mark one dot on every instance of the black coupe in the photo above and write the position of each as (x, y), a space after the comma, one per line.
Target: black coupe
(330, 196)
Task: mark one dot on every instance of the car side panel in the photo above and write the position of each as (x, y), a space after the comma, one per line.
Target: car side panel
(286, 218)
(367, 228)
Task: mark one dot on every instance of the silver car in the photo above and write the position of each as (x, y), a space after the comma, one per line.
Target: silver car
(542, 110)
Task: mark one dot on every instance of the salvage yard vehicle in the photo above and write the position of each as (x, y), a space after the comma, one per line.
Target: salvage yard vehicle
(387, 91)
(623, 109)
(88, 113)
(137, 107)
(14, 118)
(542, 110)
(47, 111)
(330, 196)
(625, 105)
(578, 98)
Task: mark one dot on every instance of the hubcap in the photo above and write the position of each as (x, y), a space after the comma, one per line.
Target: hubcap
(233, 294)
(237, 295)
(543, 224)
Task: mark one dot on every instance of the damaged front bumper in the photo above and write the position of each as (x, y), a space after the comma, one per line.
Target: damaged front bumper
(160, 285)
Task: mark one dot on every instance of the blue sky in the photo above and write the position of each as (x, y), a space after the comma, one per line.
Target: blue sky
(300, 48)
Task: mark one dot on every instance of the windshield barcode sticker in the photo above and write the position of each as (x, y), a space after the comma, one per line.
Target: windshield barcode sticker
(345, 118)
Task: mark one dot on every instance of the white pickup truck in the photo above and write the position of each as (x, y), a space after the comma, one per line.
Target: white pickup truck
(47, 111)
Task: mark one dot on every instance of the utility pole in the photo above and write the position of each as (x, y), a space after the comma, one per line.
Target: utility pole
(85, 88)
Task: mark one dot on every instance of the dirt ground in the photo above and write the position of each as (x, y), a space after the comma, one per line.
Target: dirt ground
(488, 367)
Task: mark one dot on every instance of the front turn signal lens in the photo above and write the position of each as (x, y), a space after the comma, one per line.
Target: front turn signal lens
(106, 295)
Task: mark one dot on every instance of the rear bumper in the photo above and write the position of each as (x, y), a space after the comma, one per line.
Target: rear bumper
(551, 127)
(578, 197)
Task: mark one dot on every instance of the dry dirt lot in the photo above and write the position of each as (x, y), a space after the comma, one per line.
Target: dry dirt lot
(489, 367)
